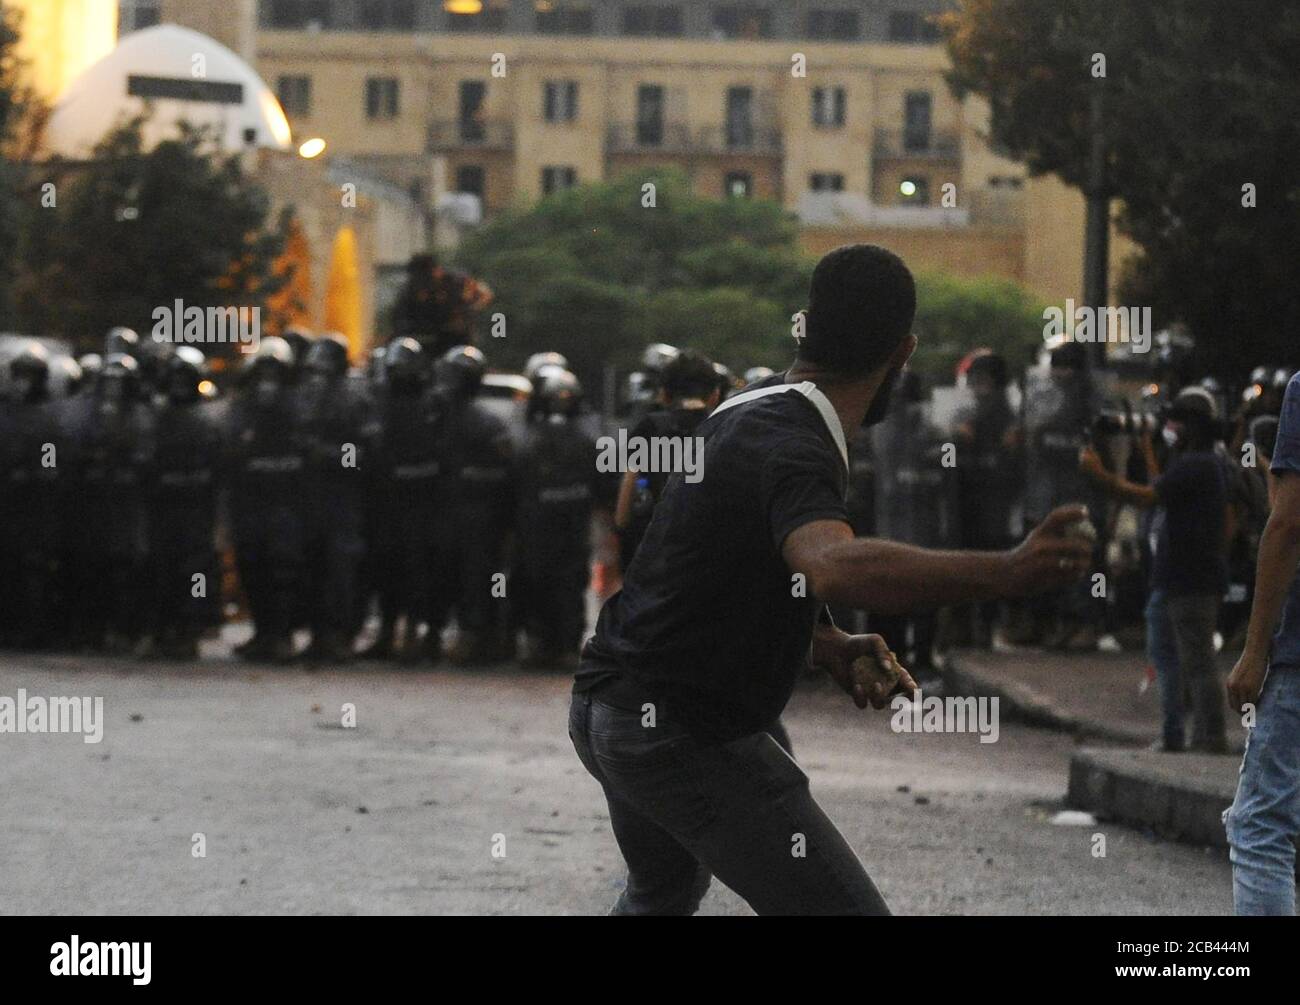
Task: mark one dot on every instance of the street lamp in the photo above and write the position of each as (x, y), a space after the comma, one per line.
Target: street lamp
(313, 147)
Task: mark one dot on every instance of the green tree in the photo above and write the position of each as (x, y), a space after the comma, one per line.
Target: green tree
(137, 229)
(597, 271)
(1198, 101)
(955, 315)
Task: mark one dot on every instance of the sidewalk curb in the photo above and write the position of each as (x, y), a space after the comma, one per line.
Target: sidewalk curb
(1115, 786)
(1030, 706)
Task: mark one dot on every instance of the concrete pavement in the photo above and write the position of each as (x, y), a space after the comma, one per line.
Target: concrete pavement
(404, 812)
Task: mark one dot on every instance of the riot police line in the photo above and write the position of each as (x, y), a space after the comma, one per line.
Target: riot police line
(137, 499)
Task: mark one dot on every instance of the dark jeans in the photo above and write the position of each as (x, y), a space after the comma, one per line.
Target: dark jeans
(683, 811)
(1180, 642)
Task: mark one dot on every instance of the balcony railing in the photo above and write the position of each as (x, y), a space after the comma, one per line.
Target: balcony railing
(680, 138)
(649, 137)
(926, 144)
(474, 134)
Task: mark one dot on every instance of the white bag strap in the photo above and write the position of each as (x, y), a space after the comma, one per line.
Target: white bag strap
(810, 391)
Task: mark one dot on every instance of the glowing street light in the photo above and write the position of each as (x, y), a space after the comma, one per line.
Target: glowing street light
(908, 188)
(463, 6)
(314, 147)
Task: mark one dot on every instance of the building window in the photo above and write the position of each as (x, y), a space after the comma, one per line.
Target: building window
(556, 179)
(470, 179)
(916, 121)
(295, 95)
(299, 14)
(132, 15)
(914, 191)
(652, 20)
(826, 182)
(560, 100)
(469, 115)
(649, 115)
(740, 117)
(491, 18)
(833, 25)
(738, 185)
(381, 98)
(742, 21)
(386, 15)
(556, 17)
(904, 26)
(912, 26)
(828, 104)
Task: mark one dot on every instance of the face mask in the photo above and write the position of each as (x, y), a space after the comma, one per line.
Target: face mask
(1171, 436)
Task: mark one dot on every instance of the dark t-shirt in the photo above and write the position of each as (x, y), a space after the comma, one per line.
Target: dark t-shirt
(1189, 556)
(710, 621)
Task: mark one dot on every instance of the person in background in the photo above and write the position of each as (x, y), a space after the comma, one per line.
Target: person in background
(990, 471)
(1189, 568)
(691, 390)
(1264, 820)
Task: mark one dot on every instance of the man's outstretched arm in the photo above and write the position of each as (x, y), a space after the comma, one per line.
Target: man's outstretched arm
(891, 578)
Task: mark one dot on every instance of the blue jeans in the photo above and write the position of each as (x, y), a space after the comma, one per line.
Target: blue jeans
(1162, 651)
(1264, 819)
(684, 811)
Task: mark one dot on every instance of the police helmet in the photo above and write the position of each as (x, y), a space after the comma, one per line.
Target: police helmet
(32, 361)
(328, 354)
(658, 355)
(121, 340)
(538, 360)
(404, 359)
(463, 366)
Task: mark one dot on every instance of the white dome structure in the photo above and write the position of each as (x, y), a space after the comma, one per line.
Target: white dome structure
(183, 76)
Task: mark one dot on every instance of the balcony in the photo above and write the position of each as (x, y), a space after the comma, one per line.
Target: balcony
(649, 137)
(916, 144)
(680, 139)
(469, 134)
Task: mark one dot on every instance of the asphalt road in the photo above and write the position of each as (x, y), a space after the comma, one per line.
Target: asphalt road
(457, 792)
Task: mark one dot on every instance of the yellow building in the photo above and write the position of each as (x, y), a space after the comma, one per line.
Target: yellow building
(836, 108)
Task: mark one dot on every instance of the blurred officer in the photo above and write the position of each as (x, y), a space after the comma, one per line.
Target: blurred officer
(405, 516)
(475, 509)
(91, 363)
(557, 487)
(990, 462)
(29, 522)
(111, 438)
(187, 463)
(299, 340)
(339, 428)
(267, 471)
(690, 391)
(915, 504)
(1058, 413)
(644, 390)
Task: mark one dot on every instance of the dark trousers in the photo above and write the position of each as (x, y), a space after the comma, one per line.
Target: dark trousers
(683, 811)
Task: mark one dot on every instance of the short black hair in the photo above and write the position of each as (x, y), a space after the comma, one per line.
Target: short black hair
(861, 304)
(689, 374)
